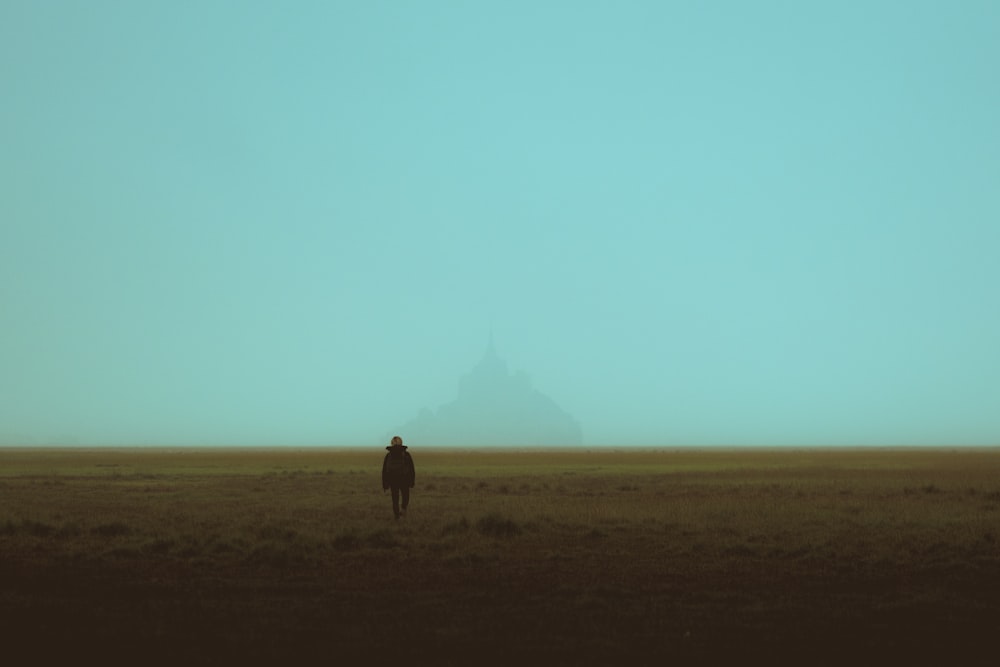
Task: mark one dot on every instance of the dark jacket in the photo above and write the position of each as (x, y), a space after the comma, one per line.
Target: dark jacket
(409, 476)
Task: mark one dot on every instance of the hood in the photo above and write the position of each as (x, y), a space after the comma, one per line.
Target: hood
(391, 447)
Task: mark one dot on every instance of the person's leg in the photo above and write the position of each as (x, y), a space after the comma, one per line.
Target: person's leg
(395, 500)
(406, 497)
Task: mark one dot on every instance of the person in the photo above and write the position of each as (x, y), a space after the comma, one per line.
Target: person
(398, 474)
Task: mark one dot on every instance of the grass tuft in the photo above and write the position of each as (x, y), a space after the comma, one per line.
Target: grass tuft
(346, 542)
(113, 529)
(495, 525)
(28, 527)
(455, 527)
(277, 532)
(382, 539)
(158, 547)
(71, 529)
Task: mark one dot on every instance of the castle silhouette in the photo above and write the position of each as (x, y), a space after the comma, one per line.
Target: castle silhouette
(494, 407)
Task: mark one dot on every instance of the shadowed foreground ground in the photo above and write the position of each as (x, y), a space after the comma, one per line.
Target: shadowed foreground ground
(221, 556)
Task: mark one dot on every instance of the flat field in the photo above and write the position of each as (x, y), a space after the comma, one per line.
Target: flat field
(220, 556)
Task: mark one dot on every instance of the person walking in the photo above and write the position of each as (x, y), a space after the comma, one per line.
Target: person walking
(398, 474)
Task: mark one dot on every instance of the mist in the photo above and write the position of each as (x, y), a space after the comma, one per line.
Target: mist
(743, 224)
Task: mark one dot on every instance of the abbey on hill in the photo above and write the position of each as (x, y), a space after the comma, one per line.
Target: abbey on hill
(494, 407)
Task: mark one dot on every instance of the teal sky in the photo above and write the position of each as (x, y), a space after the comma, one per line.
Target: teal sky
(688, 222)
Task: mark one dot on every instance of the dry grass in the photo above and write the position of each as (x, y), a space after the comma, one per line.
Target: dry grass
(563, 557)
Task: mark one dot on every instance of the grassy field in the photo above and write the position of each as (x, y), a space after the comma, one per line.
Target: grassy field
(199, 556)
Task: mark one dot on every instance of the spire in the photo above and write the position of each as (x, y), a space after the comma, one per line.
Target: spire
(490, 358)
(490, 370)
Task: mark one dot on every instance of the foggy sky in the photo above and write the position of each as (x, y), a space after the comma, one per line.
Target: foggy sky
(688, 223)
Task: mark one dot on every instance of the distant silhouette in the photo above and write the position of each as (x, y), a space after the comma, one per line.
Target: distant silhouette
(398, 474)
(495, 407)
